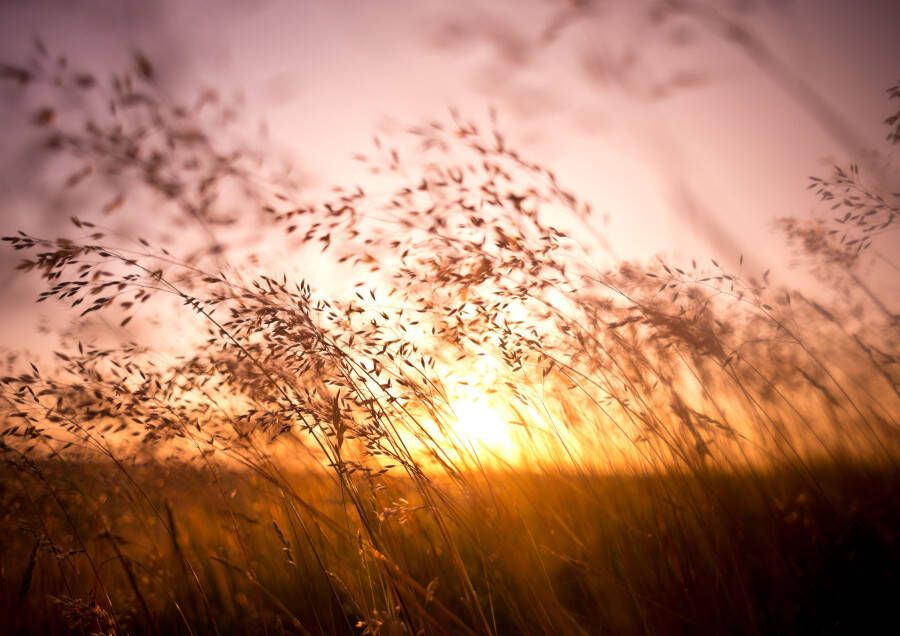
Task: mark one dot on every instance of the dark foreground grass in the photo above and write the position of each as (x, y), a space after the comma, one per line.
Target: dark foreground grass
(747, 426)
(185, 550)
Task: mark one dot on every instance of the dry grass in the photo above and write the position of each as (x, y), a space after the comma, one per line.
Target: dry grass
(696, 450)
(721, 553)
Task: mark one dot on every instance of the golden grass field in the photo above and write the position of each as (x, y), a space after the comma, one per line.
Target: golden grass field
(759, 552)
(494, 431)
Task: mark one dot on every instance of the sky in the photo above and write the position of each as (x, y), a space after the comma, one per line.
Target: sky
(688, 137)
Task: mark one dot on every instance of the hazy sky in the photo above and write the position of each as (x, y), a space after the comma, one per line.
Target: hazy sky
(689, 140)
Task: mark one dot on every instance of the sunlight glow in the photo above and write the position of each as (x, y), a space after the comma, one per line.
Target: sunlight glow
(482, 428)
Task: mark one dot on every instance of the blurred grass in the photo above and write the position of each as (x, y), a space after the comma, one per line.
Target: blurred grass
(184, 550)
(698, 449)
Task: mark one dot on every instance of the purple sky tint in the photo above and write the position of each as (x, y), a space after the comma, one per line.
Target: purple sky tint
(690, 141)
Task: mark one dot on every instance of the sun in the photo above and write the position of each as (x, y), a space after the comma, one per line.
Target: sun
(472, 419)
(481, 428)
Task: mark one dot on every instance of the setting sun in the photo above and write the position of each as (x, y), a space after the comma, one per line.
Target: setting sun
(482, 429)
(401, 318)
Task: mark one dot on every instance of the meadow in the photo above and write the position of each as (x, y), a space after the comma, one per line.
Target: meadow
(492, 429)
(761, 552)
